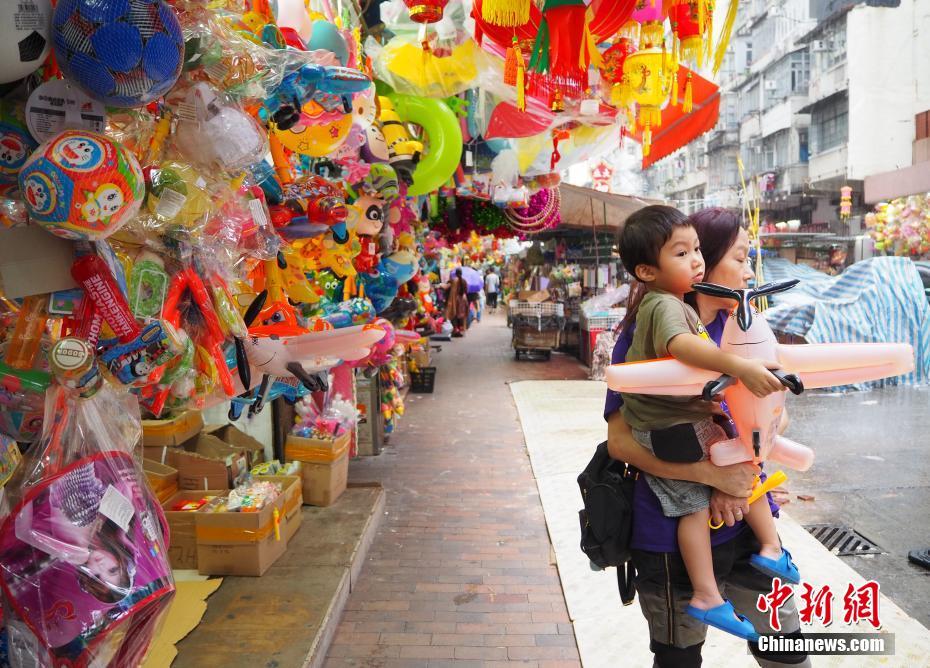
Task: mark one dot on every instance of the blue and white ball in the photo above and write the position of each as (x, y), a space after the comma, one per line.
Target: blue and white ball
(125, 53)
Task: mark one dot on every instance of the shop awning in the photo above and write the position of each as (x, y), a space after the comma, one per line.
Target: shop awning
(586, 208)
(678, 128)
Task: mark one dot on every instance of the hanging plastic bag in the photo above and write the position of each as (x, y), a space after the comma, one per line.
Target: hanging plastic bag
(83, 568)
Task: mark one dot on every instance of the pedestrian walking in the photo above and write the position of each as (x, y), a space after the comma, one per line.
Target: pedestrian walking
(492, 285)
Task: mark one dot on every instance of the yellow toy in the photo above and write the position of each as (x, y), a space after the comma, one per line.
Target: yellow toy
(403, 151)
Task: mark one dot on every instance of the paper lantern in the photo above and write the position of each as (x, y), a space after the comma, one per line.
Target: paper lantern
(845, 202)
(646, 24)
(691, 25)
(650, 83)
(564, 47)
(82, 185)
(425, 11)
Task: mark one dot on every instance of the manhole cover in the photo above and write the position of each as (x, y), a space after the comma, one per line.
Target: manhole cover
(843, 541)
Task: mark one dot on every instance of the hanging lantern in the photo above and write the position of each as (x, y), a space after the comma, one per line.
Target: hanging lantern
(845, 202)
(506, 13)
(425, 11)
(650, 84)
(564, 46)
(645, 26)
(690, 27)
(612, 71)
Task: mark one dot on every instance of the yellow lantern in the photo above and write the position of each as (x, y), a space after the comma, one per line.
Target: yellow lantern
(649, 74)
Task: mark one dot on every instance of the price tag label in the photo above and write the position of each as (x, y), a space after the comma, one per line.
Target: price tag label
(117, 508)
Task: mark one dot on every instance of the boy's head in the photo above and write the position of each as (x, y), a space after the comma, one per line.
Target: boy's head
(660, 248)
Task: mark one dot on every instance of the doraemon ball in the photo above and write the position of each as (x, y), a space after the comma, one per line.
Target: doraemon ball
(81, 185)
(24, 37)
(125, 53)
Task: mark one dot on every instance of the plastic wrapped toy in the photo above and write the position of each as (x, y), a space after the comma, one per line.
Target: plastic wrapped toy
(83, 566)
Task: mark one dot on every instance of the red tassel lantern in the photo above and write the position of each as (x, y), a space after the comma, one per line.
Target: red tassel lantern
(691, 27)
(426, 11)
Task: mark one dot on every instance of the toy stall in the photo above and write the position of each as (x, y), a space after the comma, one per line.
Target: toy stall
(226, 227)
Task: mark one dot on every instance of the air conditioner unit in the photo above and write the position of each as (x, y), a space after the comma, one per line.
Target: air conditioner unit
(770, 84)
(819, 45)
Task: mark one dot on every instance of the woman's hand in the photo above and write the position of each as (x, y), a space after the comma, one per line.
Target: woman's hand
(733, 480)
(727, 509)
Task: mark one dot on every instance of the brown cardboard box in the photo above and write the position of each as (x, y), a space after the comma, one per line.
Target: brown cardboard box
(238, 439)
(172, 432)
(182, 550)
(324, 467)
(162, 454)
(533, 295)
(162, 479)
(240, 543)
(209, 463)
(292, 489)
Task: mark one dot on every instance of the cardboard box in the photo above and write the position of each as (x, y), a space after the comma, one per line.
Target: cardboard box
(292, 489)
(324, 467)
(162, 454)
(240, 543)
(172, 432)
(209, 463)
(34, 262)
(162, 479)
(182, 550)
(533, 295)
(238, 439)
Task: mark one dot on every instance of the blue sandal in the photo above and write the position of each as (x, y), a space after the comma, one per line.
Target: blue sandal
(783, 567)
(724, 617)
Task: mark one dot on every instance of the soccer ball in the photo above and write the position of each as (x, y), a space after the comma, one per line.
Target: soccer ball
(24, 37)
(125, 53)
(81, 185)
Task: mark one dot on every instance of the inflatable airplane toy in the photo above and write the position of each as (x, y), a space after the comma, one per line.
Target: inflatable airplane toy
(802, 366)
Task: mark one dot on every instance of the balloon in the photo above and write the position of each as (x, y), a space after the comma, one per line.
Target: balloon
(24, 38)
(445, 140)
(317, 136)
(293, 14)
(380, 288)
(326, 37)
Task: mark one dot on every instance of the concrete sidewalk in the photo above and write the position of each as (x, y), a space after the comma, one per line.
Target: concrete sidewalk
(562, 424)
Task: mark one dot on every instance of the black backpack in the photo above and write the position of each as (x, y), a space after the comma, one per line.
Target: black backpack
(607, 517)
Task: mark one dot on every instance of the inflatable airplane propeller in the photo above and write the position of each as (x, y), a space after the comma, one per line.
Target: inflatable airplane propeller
(802, 366)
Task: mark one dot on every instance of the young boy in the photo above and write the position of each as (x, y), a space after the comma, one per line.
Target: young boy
(660, 248)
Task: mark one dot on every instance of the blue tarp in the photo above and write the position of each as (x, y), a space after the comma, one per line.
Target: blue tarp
(881, 299)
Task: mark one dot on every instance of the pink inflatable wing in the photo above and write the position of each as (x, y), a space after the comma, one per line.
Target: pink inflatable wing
(349, 343)
(662, 376)
(829, 364)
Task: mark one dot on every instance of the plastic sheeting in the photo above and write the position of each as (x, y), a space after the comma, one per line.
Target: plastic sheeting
(877, 300)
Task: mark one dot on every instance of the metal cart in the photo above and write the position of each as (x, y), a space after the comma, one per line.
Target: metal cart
(537, 328)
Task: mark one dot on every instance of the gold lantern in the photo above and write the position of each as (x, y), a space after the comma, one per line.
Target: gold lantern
(650, 74)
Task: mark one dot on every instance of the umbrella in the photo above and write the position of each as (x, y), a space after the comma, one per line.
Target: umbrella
(472, 279)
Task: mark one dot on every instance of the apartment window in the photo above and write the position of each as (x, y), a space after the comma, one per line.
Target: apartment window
(748, 53)
(803, 150)
(830, 125)
(800, 71)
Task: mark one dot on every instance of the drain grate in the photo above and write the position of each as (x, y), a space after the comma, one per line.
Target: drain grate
(843, 541)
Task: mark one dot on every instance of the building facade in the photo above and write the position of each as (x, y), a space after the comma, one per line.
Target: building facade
(813, 98)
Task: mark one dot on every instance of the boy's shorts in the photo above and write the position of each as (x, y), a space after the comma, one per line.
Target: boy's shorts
(681, 497)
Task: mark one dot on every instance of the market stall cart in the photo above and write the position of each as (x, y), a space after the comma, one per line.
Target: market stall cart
(537, 327)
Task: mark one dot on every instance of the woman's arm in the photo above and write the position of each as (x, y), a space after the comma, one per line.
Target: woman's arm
(735, 480)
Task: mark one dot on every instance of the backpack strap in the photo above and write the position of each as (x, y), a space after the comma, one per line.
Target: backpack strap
(626, 574)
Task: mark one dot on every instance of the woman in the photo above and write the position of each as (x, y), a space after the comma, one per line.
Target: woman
(662, 582)
(457, 303)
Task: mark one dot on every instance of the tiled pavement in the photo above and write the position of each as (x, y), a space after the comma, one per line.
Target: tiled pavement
(461, 571)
